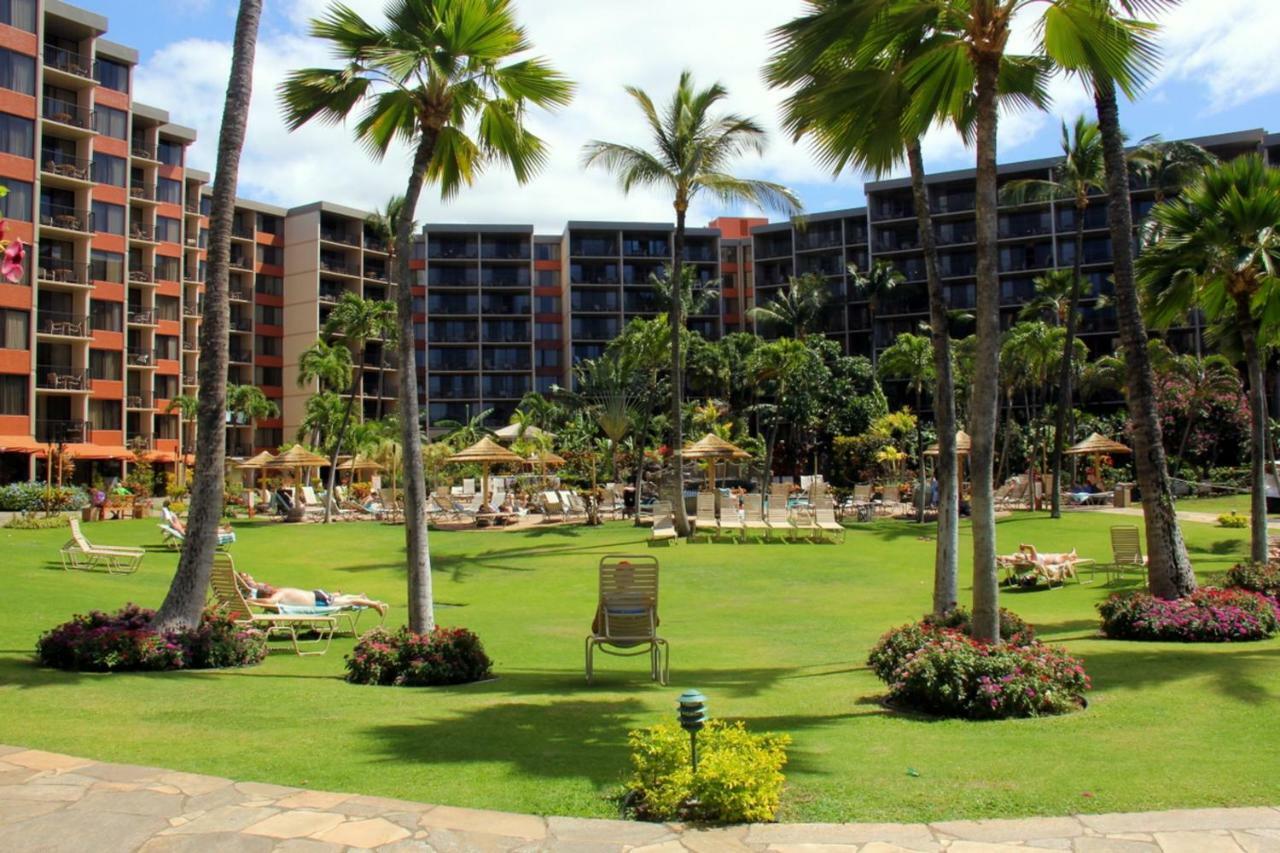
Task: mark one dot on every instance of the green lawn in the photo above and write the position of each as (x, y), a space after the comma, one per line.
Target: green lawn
(1221, 504)
(775, 634)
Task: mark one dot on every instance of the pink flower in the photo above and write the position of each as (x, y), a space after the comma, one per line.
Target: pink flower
(11, 263)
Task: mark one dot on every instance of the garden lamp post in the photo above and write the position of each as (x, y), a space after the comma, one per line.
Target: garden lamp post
(693, 715)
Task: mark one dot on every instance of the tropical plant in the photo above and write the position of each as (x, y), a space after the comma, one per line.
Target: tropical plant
(248, 403)
(697, 295)
(692, 151)
(607, 391)
(449, 78)
(184, 601)
(798, 309)
(783, 369)
(328, 365)
(910, 357)
(876, 286)
(1168, 166)
(642, 347)
(1218, 247)
(460, 434)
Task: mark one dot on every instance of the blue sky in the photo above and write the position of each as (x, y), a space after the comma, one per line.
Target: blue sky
(1219, 76)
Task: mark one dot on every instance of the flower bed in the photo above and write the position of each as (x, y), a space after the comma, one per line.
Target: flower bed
(406, 659)
(897, 644)
(1255, 577)
(1206, 616)
(124, 641)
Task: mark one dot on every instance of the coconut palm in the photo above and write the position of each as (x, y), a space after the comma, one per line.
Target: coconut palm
(356, 321)
(1167, 167)
(910, 357)
(1079, 175)
(247, 403)
(460, 434)
(776, 366)
(381, 227)
(328, 365)
(876, 286)
(608, 391)
(1218, 247)
(1052, 299)
(798, 309)
(643, 346)
(188, 408)
(692, 150)
(452, 80)
(185, 599)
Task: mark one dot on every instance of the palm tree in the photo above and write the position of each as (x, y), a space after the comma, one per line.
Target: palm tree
(328, 365)
(1052, 298)
(696, 295)
(320, 419)
(185, 599)
(1207, 378)
(357, 321)
(188, 409)
(799, 308)
(776, 365)
(642, 347)
(447, 78)
(1167, 167)
(1218, 247)
(381, 225)
(247, 403)
(876, 286)
(608, 392)
(461, 434)
(910, 357)
(692, 149)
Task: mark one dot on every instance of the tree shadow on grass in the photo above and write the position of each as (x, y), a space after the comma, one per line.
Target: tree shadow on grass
(1239, 673)
(1221, 548)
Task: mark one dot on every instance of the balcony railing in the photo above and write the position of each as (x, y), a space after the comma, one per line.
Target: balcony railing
(68, 218)
(62, 378)
(338, 237)
(140, 357)
(373, 244)
(189, 380)
(190, 345)
(65, 165)
(142, 317)
(137, 401)
(143, 191)
(65, 112)
(240, 262)
(375, 273)
(329, 265)
(138, 231)
(192, 207)
(190, 310)
(240, 324)
(237, 296)
(138, 150)
(242, 231)
(240, 356)
(68, 61)
(63, 323)
(62, 271)
(193, 276)
(63, 431)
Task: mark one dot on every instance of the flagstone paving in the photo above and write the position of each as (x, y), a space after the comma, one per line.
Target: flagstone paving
(52, 802)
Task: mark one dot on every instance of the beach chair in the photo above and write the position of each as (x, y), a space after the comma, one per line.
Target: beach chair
(753, 512)
(309, 499)
(891, 500)
(80, 553)
(777, 518)
(824, 515)
(704, 521)
(802, 517)
(550, 503)
(730, 522)
(1126, 551)
(173, 532)
(392, 509)
(626, 620)
(664, 525)
(229, 597)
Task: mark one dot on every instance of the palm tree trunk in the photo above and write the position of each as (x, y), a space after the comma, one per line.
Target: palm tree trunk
(1257, 434)
(184, 602)
(946, 551)
(1008, 431)
(1064, 370)
(677, 376)
(342, 433)
(920, 498)
(417, 556)
(1169, 572)
(643, 440)
(986, 387)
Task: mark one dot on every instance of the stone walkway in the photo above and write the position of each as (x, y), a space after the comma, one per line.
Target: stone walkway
(1183, 515)
(52, 802)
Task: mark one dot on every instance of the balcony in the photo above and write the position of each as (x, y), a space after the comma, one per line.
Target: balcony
(241, 324)
(237, 356)
(62, 168)
(166, 272)
(192, 207)
(192, 276)
(68, 62)
(338, 266)
(142, 317)
(59, 271)
(374, 244)
(63, 325)
(143, 152)
(240, 262)
(142, 233)
(236, 295)
(241, 231)
(141, 191)
(138, 401)
(191, 345)
(142, 276)
(58, 377)
(140, 357)
(190, 380)
(66, 218)
(190, 310)
(375, 273)
(68, 115)
(63, 431)
(332, 236)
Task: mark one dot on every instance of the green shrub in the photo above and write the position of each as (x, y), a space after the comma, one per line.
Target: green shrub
(37, 497)
(406, 659)
(739, 778)
(896, 645)
(1230, 519)
(1255, 577)
(1206, 616)
(37, 522)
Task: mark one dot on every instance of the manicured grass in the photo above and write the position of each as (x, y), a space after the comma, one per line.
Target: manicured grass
(1221, 504)
(775, 634)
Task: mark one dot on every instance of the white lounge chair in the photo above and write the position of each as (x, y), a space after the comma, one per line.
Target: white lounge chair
(777, 518)
(825, 518)
(80, 553)
(753, 510)
(704, 521)
(664, 525)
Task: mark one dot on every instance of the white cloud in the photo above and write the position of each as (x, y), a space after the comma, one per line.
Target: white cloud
(1227, 47)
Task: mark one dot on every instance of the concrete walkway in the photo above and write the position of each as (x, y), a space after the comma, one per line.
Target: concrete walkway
(52, 802)
(1183, 515)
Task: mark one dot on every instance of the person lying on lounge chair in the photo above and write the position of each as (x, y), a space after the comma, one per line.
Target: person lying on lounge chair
(180, 526)
(1047, 559)
(268, 595)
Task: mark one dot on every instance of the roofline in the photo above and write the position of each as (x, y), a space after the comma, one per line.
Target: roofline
(122, 52)
(186, 134)
(84, 17)
(148, 111)
(199, 175)
(330, 207)
(467, 228)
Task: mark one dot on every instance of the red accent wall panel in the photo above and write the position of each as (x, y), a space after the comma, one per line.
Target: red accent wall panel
(107, 389)
(15, 425)
(108, 340)
(111, 145)
(15, 296)
(111, 98)
(19, 40)
(12, 166)
(106, 192)
(15, 361)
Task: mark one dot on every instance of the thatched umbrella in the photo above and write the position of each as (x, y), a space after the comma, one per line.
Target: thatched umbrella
(486, 452)
(297, 458)
(712, 448)
(963, 443)
(1097, 445)
(359, 462)
(511, 432)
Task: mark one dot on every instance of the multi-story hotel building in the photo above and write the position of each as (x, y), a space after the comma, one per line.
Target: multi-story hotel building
(102, 333)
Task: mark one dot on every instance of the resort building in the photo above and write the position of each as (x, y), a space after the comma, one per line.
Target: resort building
(102, 334)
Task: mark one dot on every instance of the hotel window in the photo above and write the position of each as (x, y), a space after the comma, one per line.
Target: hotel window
(110, 121)
(113, 75)
(269, 315)
(13, 394)
(169, 153)
(106, 266)
(108, 169)
(167, 346)
(17, 72)
(548, 331)
(168, 308)
(19, 13)
(271, 285)
(267, 346)
(105, 316)
(17, 135)
(168, 230)
(548, 304)
(268, 376)
(104, 414)
(270, 255)
(17, 204)
(13, 329)
(169, 191)
(104, 364)
(548, 357)
(108, 218)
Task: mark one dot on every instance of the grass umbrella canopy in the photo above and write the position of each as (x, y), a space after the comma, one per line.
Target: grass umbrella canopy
(712, 446)
(297, 458)
(486, 452)
(963, 442)
(1097, 445)
(257, 463)
(546, 459)
(511, 432)
(359, 462)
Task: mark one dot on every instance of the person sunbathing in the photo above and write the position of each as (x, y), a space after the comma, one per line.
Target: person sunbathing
(272, 596)
(180, 526)
(1048, 559)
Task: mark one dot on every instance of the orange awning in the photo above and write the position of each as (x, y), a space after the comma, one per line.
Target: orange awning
(99, 451)
(160, 456)
(21, 444)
